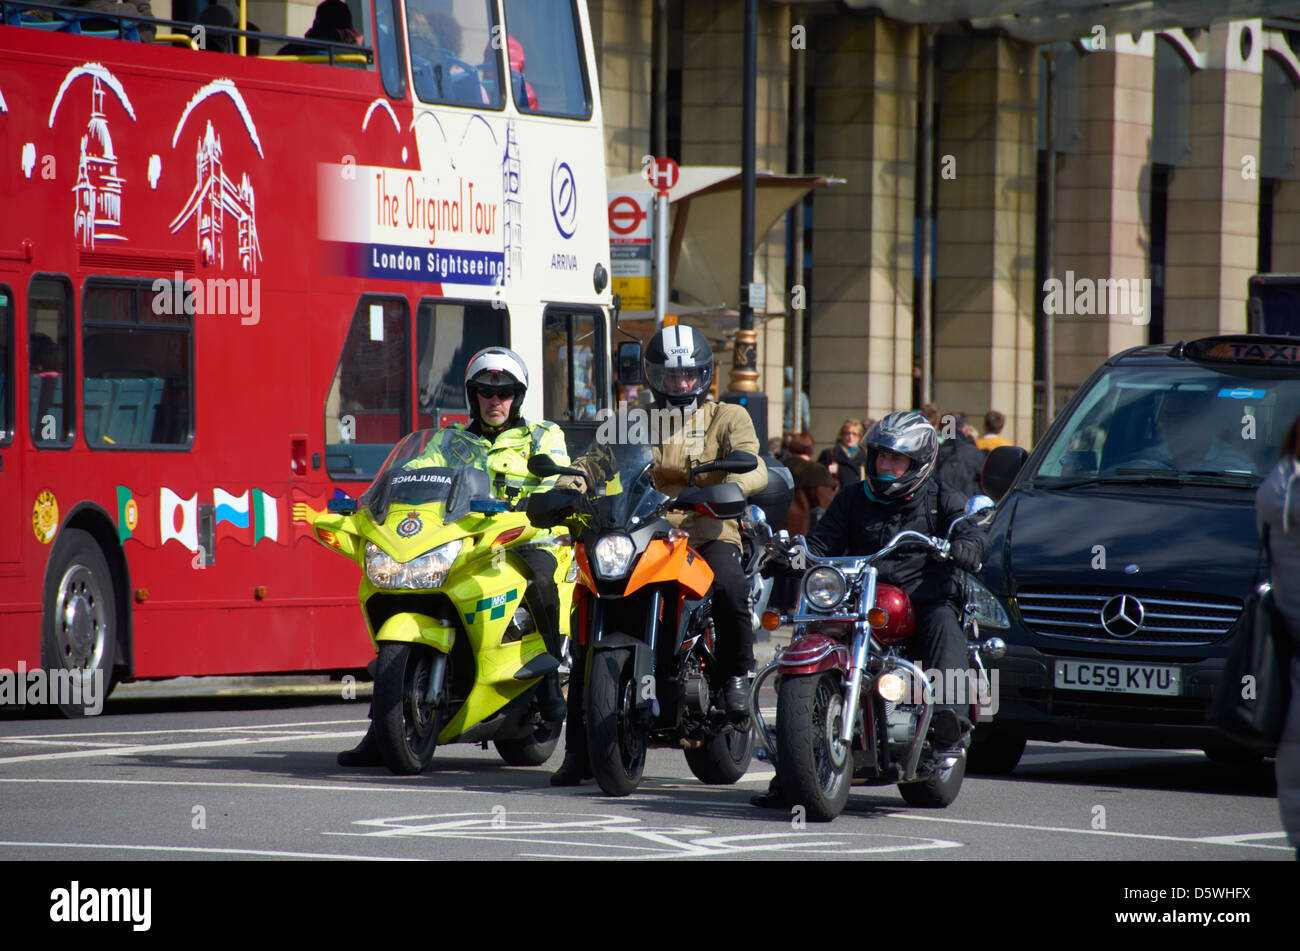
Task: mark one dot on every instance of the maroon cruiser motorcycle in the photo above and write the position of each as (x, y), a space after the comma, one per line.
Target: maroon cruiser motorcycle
(852, 709)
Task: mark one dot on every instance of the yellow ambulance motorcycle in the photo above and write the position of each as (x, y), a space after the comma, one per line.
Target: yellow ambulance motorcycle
(460, 654)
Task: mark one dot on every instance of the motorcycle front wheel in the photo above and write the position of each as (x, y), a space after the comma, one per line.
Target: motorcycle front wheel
(406, 721)
(616, 743)
(813, 767)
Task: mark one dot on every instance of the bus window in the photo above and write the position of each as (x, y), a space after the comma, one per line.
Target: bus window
(447, 38)
(548, 71)
(7, 374)
(573, 354)
(52, 407)
(138, 384)
(368, 407)
(447, 335)
(389, 47)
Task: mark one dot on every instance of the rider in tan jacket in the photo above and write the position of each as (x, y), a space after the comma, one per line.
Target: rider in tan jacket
(679, 370)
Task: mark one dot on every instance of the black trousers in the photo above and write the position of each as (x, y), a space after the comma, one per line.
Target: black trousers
(543, 595)
(730, 607)
(940, 643)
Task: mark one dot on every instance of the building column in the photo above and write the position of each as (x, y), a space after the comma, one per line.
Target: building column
(1213, 200)
(622, 32)
(713, 35)
(864, 77)
(1102, 304)
(1286, 199)
(987, 94)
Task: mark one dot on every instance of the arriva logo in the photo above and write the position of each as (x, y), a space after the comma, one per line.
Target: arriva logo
(564, 199)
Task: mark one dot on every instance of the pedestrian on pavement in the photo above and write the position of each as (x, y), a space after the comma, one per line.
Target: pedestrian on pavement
(992, 438)
(960, 462)
(846, 460)
(1277, 510)
(814, 487)
(805, 413)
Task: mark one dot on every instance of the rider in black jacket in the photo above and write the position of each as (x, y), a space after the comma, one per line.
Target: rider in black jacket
(900, 494)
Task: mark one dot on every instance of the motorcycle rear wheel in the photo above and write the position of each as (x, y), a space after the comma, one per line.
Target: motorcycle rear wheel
(617, 745)
(813, 767)
(724, 758)
(406, 724)
(534, 749)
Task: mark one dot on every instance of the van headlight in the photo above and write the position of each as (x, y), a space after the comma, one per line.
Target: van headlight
(987, 609)
(824, 587)
(613, 556)
(427, 571)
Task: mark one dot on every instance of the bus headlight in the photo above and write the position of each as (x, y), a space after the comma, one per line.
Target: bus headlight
(824, 587)
(427, 571)
(613, 556)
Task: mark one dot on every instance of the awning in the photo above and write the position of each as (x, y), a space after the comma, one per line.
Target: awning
(1051, 21)
(704, 248)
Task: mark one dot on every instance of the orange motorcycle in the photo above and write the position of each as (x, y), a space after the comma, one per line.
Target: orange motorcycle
(645, 616)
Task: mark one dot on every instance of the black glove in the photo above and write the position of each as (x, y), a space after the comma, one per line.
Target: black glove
(548, 509)
(966, 554)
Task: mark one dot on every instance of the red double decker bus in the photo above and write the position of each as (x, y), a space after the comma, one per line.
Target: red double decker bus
(229, 284)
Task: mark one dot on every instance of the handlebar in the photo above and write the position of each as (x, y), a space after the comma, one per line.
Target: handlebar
(783, 548)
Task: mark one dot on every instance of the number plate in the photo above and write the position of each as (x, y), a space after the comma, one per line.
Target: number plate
(1110, 677)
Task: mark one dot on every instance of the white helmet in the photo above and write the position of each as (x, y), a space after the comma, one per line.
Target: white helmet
(496, 366)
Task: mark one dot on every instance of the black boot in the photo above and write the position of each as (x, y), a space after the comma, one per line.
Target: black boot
(735, 696)
(365, 753)
(577, 763)
(947, 727)
(774, 798)
(550, 699)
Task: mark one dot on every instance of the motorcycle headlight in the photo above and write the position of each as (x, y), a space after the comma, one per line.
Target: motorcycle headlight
(427, 571)
(987, 609)
(824, 587)
(613, 556)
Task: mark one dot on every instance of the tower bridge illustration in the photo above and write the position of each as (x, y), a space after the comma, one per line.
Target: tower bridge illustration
(98, 190)
(214, 197)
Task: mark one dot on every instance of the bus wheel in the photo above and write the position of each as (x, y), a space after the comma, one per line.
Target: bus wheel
(77, 628)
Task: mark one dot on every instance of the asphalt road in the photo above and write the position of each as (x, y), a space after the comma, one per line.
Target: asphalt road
(243, 776)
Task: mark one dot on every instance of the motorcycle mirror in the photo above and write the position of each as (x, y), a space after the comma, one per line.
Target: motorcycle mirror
(544, 466)
(1001, 469)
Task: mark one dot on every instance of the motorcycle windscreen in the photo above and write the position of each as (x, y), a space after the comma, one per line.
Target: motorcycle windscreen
(623, 482)
(427, 466)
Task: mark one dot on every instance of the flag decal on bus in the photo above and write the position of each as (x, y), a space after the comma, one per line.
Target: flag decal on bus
(232, 516)
(135, 518)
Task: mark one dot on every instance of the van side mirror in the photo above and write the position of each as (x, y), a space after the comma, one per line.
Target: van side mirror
(1001, 469)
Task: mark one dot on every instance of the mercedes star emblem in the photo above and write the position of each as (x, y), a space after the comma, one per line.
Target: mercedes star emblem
(1121, 616)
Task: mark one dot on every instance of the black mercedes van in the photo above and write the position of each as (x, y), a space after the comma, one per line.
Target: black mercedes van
(1123, 549)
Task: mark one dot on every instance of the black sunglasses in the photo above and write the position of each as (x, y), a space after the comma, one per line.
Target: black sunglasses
(499, 392)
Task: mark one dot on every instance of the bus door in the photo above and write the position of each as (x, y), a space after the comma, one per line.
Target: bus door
(575, 372)
(11, 488)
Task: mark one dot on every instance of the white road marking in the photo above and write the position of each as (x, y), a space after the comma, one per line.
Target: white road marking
(1243, 839)
(211, 851)
(204, 729)
(1204, 840)
(64, 742)
(169, 747)
(423, 789)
